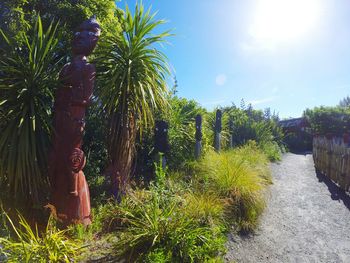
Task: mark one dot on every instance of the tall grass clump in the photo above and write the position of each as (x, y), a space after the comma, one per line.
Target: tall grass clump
(272, 150)
(238, 176)
(150, 225)
(154, 225)
(27, 245)
(206, 207)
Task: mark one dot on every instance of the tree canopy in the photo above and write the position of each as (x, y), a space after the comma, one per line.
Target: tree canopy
(16, 16)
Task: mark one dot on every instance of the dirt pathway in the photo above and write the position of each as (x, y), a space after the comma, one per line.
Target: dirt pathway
(307, 219)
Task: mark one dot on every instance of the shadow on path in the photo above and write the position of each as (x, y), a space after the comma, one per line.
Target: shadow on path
(301, 152)
(337, 193)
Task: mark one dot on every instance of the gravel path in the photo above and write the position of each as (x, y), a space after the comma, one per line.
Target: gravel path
(307, 219)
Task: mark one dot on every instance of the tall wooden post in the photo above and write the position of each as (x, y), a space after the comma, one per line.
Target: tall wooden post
(198, 147)
(161, 144)
(218, 128)
(329, 172)
(231, 127)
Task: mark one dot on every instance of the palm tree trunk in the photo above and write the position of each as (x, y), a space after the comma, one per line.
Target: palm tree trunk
(122, 152)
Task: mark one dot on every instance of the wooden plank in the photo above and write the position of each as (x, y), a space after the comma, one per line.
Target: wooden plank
(332, 158)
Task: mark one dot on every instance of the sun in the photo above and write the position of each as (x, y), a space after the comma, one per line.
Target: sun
(280, 21)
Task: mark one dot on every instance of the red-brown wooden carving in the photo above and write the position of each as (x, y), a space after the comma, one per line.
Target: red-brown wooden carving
(70, 192)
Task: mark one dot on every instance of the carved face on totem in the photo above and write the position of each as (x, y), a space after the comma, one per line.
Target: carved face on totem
(86, 37)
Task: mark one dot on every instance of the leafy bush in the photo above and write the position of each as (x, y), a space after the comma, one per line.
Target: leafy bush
(299, 141)
(324, 120)
(272, 150)
(28, 245)
(249, 124)
(181, 117)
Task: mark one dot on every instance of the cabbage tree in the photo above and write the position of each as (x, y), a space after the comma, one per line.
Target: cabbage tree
(132, 85)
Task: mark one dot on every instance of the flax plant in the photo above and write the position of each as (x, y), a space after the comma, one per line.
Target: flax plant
(28, 75)
(28, 245)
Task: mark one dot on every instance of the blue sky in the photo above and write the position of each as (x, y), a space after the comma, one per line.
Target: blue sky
(284, 54)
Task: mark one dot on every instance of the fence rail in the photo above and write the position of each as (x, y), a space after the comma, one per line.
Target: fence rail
(332, 158)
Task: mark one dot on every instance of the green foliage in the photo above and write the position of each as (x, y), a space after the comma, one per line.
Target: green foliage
(170, 223)
(239, 179)
(12, 20)
(160, 173)
(345, 103)
(299, 141)
(206, 207)
(95, 148)
(181, 118)
(157, 223)
(16, 16)
(27, 80)
(325, 120)
(133, 72)
(272, 150)
(209, 128)
(158, 256)
(131, 82)
(249, 124)
(253, 126)
(28, 245)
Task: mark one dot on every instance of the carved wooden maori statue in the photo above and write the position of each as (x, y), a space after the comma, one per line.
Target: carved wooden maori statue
(218, 128)
(161, 143)
(199, 135)
(70, 192)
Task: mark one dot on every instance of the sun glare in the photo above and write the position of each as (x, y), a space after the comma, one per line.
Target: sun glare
(280, 21)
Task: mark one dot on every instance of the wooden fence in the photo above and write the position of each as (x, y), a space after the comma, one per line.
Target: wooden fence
(332, 158)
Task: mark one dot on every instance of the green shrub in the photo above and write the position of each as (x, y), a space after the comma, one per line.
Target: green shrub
(272, 150)
(150, 224)
(299, 141)
(324, 120)
(28, 245)
(165, 224)
(256, 159)
(239, 179)
(158, 256)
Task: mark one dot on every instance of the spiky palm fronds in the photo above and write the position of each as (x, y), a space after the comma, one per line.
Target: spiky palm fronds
(28, 75)
(132, 83)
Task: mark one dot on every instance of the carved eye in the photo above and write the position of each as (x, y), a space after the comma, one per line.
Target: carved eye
(156, 129)
(165, 130)
(77, 34)
(92, 34)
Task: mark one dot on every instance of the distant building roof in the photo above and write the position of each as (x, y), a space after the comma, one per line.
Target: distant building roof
(293, 123)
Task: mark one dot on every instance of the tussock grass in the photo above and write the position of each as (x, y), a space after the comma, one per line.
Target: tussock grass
(256, 159)
(207, 207)
(184, 219)
(240, 177)
(151, 226)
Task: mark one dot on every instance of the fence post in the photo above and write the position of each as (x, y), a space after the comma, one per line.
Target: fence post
(329, 171)
(161, 144)
(218, 129)
(231, 127)
(198, 147)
